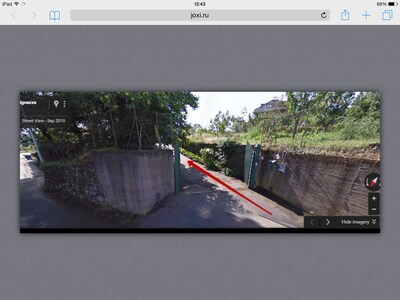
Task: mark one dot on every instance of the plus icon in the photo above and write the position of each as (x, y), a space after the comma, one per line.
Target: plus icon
(366, 15)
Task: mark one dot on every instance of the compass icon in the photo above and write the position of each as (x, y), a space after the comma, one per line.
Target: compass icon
(373, 182)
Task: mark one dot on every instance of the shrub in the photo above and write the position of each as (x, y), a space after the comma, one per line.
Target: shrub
(209, 159)
(229, 172)
(191, 155)
(365, 128)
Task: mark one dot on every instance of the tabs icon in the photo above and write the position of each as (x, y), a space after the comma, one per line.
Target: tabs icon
(387, 15)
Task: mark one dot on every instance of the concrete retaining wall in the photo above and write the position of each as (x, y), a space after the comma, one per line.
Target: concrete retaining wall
(324, 185)
(130, 181)
(135, 180)
(319, 184)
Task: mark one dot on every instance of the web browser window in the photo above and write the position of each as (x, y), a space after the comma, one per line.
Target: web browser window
(199, 149)
(200, 116)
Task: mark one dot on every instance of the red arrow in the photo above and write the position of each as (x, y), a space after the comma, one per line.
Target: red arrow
(191, 163)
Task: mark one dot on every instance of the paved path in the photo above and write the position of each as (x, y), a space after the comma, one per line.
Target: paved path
(205, 203)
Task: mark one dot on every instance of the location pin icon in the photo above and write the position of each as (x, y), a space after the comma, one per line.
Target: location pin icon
(56, 102)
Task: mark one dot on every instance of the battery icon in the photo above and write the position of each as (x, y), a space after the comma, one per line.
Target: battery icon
(392, 3)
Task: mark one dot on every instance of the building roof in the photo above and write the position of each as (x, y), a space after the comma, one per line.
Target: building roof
(273, 105)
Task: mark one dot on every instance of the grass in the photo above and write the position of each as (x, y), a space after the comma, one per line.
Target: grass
(62, 163)
(323, 140)
(191, 155)
(23, 149)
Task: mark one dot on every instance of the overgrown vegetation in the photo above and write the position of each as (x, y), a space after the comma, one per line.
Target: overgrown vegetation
(327, 120)
(112, 120)
(216, 159)
(192, 156)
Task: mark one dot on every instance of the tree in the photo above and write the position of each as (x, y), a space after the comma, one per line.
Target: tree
(195, 128)
(238, 123)
(329, 107)
(362, 118)
(221, 122)
(299, 104)
(365, 105)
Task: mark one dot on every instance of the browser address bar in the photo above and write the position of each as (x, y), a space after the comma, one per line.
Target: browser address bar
(198, 15)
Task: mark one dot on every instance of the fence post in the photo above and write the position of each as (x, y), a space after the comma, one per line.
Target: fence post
(36, 145)
(177, 168)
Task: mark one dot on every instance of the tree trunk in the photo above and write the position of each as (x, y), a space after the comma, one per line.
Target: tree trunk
(296, 124)
(113, 129)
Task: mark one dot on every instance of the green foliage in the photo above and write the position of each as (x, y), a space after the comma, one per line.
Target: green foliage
(299, 104)
(216, 159)
(209, 158)
(330, 107)
(362, 119)
(191, 155)
(254, 133)
(365, 105)
(122, 120)
(221, 122)
(225, 149)
(364, 128)
(230, 172)
(319, 109)
(61, 164)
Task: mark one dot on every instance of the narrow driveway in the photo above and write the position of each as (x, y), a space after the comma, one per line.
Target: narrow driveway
(205, 203)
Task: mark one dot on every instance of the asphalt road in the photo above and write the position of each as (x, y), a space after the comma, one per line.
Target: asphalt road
(205, 203)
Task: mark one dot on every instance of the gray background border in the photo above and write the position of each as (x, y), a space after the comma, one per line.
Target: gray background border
(199, 266)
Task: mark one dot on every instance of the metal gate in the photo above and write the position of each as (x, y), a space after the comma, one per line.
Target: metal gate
(251, 160)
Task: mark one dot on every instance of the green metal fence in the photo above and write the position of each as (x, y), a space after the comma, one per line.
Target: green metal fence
(251, 161)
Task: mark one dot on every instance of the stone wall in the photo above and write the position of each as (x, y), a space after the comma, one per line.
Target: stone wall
(323, 185)
(73, 181)
(129, 181)
(235, 161)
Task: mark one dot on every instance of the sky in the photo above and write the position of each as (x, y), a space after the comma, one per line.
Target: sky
(210, 103)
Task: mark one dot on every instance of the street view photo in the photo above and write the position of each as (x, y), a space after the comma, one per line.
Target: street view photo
(155, 161)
